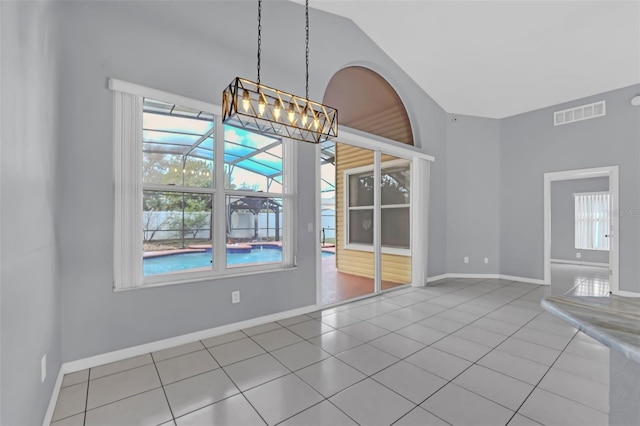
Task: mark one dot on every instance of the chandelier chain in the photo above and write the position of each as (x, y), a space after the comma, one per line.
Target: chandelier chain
(259, 37)
(307, 46)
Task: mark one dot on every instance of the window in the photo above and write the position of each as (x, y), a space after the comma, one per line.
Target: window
(177, 188)
(196, 199)
(592, 220)
(395, 213)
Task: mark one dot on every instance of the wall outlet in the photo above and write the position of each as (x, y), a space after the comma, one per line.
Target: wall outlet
(235, 297)
(309, 227)
(486, 260)
(43, 368)
(466, 259)
(578, 255)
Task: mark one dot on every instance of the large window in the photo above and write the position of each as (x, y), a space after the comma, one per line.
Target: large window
(196, 199)
(395, 191)
(592, 221)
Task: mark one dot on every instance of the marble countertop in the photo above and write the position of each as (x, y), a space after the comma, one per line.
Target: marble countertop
(613, 321)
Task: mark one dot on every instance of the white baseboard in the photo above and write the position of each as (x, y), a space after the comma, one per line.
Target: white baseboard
(580, 262)
(523, 279)
(436, 278)
(487, 276)
(626, 293)
(94, 361)
(54, 398)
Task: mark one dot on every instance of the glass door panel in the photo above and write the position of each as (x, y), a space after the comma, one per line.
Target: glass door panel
(395, 221)
(348, 267)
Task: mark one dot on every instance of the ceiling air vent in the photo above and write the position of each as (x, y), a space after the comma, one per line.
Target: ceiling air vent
(584, 112)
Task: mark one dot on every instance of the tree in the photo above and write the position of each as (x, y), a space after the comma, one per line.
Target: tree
(171, 169)
(155, 213)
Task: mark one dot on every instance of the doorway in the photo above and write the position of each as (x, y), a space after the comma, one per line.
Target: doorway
(380, 232)
(577, 265)
(368, 191)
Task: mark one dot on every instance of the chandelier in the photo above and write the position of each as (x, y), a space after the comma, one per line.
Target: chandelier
(259, 108)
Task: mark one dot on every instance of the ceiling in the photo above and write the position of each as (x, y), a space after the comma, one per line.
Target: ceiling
(502, 58)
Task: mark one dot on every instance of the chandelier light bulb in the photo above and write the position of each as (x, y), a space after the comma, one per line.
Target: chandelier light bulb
(276, 109)
(316, 122)
(262, 105)
(291, 114)
(305, 118)
(246, 101)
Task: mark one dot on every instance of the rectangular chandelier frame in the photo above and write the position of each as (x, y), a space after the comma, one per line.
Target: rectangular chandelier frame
(263, 109)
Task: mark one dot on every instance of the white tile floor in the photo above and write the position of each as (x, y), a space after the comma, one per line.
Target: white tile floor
(460, 352)
(578, 280)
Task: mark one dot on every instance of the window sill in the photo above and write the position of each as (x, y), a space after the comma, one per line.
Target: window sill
(208, 277)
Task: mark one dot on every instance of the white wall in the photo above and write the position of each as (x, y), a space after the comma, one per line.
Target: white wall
(30, 314)
(531, 145)
(192, 49)
(473, 203)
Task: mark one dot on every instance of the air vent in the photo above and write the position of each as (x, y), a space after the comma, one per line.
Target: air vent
(584, 112)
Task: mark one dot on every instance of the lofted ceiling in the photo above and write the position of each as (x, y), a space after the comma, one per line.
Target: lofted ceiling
(501, 58)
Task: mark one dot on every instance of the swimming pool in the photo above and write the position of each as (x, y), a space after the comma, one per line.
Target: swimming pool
(184, 261)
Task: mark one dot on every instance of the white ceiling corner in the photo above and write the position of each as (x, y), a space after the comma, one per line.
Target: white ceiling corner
(501, 58)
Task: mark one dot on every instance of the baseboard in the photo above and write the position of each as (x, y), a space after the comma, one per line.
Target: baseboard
(54, 398)
(94, 361)
(625, 293)
(436, 278)
(580, 262)
(523, 279)
(486, 277)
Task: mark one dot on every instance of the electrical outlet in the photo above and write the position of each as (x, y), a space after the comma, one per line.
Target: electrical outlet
(466, 259)
(486, 260)
(309, 227)
(235, 297)
(43, 368)
(578, 255)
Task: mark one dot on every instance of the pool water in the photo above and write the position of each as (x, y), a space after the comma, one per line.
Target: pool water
(184, 261)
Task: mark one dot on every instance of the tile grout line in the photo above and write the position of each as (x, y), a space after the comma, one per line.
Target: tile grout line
(86, 401)
(542, 378)
(164, 392)
(239, 390)
(563, 396)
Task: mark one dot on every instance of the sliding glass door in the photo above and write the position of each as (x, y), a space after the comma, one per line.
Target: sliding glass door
(350, 272)
(366, 221)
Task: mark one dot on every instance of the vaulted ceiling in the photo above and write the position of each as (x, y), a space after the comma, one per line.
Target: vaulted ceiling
(501, 58)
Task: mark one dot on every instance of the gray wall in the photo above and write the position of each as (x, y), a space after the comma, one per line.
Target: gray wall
(530, 146)
(473, 203)
(193, 49)
(563, 219)
(30, 294)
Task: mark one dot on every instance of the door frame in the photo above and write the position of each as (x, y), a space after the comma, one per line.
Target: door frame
(614, 240)
(419, 196)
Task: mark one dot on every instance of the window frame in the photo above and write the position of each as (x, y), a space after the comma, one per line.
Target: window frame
(128, 192)
(591, 222)
(347, 244)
